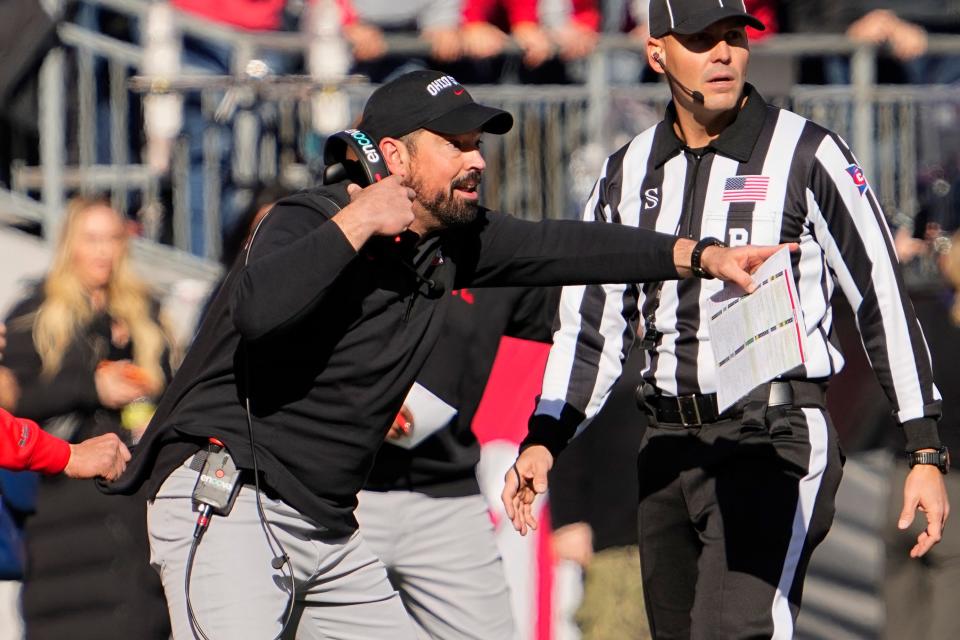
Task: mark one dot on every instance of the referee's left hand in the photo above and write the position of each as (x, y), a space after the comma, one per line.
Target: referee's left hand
(925, 490)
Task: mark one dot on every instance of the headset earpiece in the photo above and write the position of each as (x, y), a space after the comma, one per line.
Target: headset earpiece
(369, 166)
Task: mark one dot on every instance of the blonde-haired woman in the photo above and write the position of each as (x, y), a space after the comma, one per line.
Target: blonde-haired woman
(85, 345)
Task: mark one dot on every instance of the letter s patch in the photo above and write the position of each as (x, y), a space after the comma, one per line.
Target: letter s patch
(651, 198)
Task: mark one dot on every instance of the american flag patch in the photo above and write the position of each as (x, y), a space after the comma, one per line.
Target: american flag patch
(745, 188)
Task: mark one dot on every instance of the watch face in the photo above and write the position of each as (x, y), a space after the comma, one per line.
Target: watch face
(944, 459)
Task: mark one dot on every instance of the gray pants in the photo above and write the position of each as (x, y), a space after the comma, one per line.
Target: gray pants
(12, 626)
(442, 555)
(342, 589)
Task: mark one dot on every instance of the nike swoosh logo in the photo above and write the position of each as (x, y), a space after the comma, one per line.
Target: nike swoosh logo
(456, 93)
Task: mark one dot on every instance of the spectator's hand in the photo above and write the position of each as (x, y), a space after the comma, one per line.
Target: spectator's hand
(366, 40)
(925, 490)
(735, 264)
(115, 388)
(9, 390)
(906, 39)
(482, 40)
(444, 44)
(521, 484)
(574, 542)
(103, 456)
(575, 40)
(384, 208)
(907, 246)
(402, 424)
(536, 44)
(875, 27)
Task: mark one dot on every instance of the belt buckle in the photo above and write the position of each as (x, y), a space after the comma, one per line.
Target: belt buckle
(690, 400)
(781, 393)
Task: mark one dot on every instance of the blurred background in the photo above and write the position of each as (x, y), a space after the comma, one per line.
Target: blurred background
(187, 118)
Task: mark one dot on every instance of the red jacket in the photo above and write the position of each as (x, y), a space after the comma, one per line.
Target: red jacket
(583, 11)
(766, 12)
(252, 15)
(25, 446)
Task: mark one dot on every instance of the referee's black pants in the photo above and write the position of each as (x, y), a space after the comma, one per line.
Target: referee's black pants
(729, 515)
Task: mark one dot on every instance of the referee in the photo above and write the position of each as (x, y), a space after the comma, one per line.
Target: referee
(732, 504)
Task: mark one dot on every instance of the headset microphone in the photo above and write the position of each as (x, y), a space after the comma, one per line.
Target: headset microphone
(696, 95)
(434, 289)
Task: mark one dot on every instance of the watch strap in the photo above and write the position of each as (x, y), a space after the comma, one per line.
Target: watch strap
(939, 458)
(697, 255)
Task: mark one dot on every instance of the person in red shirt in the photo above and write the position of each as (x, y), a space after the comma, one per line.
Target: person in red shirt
(24, 446)
(484, 38)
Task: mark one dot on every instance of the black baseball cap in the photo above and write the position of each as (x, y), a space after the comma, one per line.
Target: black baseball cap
(692, 16)
(432, 100)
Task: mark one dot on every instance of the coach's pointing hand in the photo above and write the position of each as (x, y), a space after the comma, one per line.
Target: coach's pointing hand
(737, 263)
(730, 264)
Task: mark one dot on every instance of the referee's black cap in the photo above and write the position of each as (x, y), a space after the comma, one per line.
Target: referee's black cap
(431, 100)
(692, 16)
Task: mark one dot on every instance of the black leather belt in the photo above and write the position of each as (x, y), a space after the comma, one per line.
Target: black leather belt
(699, 409)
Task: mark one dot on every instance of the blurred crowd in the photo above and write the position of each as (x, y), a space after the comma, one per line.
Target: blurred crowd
(533, 40)
(470, 36)
(477, 41)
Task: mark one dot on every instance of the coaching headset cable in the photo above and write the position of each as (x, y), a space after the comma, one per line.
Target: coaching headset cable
(280, 557)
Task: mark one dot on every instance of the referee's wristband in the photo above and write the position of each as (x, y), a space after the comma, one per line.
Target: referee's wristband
(551, 432)
(697, 255)
(921, 433)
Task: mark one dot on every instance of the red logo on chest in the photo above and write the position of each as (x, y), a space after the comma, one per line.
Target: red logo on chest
(464, 295)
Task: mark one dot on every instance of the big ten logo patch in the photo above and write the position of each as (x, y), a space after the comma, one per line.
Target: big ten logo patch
(859, 180)
(464, 294)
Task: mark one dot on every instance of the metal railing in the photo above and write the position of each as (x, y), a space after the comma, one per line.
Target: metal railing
(542, 168)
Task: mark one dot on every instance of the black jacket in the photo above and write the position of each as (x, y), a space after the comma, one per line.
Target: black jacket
(443, 465)
(326, 342)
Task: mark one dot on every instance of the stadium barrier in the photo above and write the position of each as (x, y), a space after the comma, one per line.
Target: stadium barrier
(93, 96)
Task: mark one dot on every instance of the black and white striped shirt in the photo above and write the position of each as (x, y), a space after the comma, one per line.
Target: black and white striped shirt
(771, 176)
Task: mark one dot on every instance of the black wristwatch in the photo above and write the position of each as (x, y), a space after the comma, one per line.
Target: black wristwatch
(939, 458)
(698, 254)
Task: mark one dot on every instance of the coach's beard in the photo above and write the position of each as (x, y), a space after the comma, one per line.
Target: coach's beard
(446, 207)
